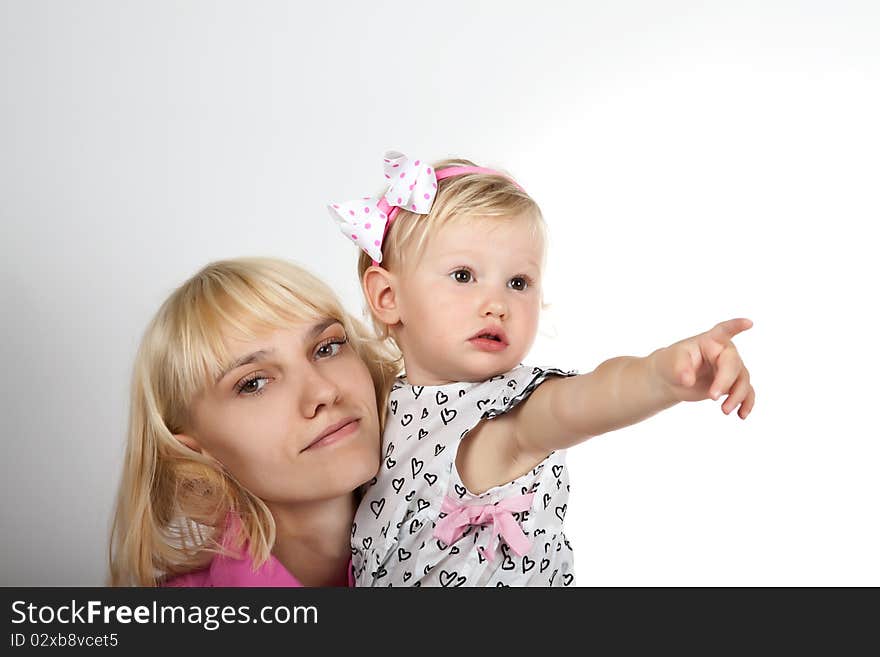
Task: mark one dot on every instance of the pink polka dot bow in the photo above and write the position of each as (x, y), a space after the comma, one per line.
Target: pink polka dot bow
(412, 185)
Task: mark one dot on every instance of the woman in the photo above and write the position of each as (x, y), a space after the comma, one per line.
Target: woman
(253, 423)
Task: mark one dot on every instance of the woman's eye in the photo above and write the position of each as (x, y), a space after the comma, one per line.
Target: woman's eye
(253, 386)
(330, 348)
(462, 276)
(518, 283)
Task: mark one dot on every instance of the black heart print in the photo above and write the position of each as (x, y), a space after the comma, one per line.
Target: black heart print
(451, 578)
(567, 579)
(367, 542)
(448, 415)
(496, 402)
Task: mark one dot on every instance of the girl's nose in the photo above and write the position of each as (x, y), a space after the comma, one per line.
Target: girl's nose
(495, 308)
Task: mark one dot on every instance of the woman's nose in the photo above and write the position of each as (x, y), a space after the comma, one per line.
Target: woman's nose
(317, 391)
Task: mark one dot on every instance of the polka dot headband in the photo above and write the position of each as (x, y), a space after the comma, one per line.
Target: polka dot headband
(412, 186)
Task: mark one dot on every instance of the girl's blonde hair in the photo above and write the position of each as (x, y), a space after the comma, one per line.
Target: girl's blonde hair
(458, 198)
(173, 502)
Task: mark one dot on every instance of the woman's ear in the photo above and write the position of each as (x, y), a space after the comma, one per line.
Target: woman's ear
(188, 441)
(380, 290)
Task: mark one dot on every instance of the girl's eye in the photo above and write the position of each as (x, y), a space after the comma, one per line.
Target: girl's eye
(252, 385)
(518, 283)
(330, 347)
(461, 276)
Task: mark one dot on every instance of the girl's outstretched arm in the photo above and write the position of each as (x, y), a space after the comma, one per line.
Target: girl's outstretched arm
(626, 390)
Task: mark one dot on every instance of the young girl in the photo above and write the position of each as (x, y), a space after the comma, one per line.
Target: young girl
(253, 420)
(451, 270)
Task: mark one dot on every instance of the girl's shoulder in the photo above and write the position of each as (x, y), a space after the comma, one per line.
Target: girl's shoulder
(505, 391)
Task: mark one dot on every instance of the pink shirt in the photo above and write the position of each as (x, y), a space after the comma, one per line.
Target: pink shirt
(239, 571)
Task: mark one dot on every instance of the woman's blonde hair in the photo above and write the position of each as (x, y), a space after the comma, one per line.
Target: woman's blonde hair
(173, 502)
(459, 198)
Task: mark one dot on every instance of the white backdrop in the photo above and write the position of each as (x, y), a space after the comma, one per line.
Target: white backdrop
(696, 161)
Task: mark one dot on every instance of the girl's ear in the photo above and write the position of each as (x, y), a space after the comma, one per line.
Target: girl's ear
(188, 441)
(379, 288)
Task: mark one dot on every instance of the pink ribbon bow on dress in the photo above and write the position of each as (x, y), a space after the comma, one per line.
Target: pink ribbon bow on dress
(450, 528)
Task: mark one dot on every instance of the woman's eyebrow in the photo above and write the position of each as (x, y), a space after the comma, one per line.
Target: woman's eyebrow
(320, 327)
(245, 360)
(262, 354)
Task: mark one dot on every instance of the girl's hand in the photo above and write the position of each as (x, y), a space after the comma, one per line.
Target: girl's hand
(707, 366)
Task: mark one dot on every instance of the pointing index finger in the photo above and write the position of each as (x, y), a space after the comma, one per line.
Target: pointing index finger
(724, 331)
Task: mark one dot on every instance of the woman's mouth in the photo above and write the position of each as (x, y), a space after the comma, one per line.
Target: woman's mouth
(335, 433)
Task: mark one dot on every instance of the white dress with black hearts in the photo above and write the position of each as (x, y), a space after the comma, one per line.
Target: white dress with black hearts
(393, 542)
